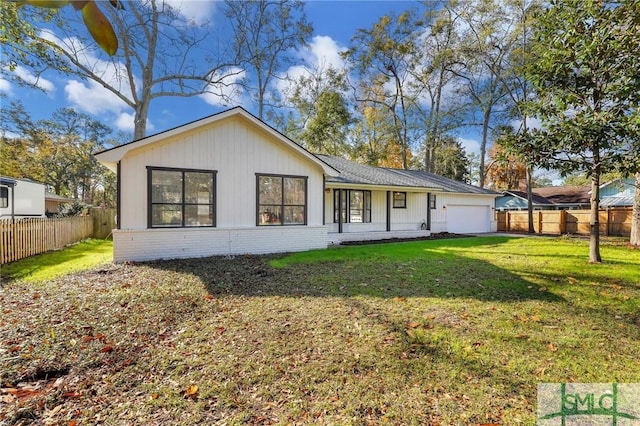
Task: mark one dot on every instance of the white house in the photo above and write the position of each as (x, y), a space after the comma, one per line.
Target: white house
(230, 184)
(21, 198)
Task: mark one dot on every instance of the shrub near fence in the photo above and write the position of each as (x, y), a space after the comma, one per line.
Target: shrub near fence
(26, 237)
(612, 221)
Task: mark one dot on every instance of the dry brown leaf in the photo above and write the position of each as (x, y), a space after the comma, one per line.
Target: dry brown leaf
(552, 347)
(413, 324)
(192, 391)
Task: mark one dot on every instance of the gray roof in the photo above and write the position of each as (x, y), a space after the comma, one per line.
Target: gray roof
(618, 201)
(362, 174)
(537, 199)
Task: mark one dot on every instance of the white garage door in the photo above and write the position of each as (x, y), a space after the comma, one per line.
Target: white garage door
(468, 219)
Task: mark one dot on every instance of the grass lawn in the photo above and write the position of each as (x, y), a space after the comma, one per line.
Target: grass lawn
(78, 257)
(435, 332)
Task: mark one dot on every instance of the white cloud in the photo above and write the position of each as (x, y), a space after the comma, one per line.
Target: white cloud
(324, 52)
(198, 12)
(532, 123)
(125, 122)
(37, 81)
(227, 91)
(92, 97)
(471, 146)
(5, 86)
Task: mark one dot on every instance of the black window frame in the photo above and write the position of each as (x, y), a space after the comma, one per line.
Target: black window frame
(261, 208)
(432, 202)
(4, 197)
(366, 199)
(403, 204)
(183, 204)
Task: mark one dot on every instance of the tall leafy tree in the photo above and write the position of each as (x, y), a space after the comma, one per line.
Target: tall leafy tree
(384, 56)
(586, 78)
(506, 170)
(326, 131)
(451, 160)
(433, 75)
(490, 32)
(161, 53)
(373, 136)
(266, 32)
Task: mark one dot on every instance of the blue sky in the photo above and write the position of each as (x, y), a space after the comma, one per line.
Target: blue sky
(335, 22)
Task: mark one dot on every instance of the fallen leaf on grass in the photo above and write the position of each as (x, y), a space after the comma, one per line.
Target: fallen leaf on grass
(192, 391)
(106, 349)
(413, 324)
(71, 395)
(522, 336)
(552, 347)
(154, 395)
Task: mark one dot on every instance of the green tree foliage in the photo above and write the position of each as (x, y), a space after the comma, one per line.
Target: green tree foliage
(326, 131)
(384, 56)
(451, 160)
(59, 153)
(586, 77)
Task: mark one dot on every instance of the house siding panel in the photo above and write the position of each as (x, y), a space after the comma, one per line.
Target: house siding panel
(408, 219)
(237, 152)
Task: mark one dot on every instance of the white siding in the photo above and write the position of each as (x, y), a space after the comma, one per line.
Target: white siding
(28, 198)
(237, 151)
(150, 244)
(408, 219)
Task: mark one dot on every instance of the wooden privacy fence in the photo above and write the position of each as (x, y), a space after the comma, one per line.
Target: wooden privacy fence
(30, 236)
(616, 221)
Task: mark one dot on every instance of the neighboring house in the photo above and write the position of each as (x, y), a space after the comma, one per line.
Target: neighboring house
(547, 198)
(21, 198)
(617, 193)
(52, 202)
(518, 200)
(230, 184)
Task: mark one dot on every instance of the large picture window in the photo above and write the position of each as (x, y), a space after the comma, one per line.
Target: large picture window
(282, 200)
(181, 197)
(355, 206)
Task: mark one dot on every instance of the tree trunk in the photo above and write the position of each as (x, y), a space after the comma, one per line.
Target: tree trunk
(483, 144)
(531, 229)
(594, 224)
(635, 216)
